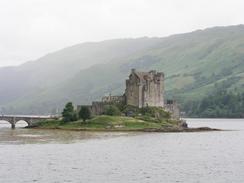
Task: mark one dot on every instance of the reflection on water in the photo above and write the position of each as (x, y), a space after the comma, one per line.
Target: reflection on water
(30, 155)
(21, 135)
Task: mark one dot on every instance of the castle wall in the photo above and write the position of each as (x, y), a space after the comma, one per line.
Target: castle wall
(172, 107)
(97, 108)
(145, 89)
(113, 99)
(153, 93)
(132, 91)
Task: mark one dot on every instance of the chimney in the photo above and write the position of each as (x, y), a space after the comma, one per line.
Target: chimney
(133, 70)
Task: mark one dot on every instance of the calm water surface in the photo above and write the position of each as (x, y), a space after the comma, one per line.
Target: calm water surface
(30, 155)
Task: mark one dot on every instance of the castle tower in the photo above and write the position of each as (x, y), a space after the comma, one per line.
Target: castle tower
(145, 89)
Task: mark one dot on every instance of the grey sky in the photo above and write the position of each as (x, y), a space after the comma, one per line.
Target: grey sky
(32, 28)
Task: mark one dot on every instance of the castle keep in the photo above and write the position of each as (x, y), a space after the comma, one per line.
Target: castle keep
(145, 89)
(142, 89)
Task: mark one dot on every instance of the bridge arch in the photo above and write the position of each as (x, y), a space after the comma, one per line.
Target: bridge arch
(10, 121)
(21, 121)
(5, 123)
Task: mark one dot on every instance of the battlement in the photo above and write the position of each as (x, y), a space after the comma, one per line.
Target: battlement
(113, 99)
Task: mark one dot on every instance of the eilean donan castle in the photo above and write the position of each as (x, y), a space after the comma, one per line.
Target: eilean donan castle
(142, 89)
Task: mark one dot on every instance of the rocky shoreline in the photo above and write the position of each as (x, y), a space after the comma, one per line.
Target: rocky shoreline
(163, 130)
(199, 129)
(120, 124)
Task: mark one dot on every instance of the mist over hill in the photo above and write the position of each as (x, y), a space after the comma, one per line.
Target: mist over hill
(194, 64)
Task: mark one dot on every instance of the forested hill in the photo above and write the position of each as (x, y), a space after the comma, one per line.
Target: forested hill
(194, 63)
(219, 104)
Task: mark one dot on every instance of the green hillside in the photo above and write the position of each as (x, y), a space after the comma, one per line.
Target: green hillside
(193, 64)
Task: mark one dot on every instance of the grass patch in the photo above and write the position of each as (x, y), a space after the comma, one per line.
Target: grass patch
(105, 122)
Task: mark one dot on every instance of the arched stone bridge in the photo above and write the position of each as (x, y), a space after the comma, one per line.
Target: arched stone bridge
(30, 120)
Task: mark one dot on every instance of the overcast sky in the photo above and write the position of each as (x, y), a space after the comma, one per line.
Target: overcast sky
(30, 29)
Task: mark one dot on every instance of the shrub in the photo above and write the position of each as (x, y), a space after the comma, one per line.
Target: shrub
(155, 112)
(112, 110)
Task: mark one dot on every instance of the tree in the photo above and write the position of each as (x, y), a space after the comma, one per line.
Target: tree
(69, 113)
(84, 113)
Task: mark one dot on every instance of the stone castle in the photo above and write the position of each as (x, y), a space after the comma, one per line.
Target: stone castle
(145, 89)
(142, 89)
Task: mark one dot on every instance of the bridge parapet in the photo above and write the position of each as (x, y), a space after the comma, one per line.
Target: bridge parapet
(30, 120)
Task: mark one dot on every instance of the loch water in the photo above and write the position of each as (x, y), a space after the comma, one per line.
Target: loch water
(31, 155)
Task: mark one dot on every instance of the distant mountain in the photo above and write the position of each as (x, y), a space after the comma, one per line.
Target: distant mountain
(194, 63)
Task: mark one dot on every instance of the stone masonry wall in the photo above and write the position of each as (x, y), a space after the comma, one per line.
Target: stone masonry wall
(132, 91)
(145, 89)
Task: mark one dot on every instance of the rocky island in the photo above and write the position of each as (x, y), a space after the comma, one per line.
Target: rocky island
(120, 123)
(141, 108)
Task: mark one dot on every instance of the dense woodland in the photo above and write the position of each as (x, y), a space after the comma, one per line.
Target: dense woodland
(221, 103)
